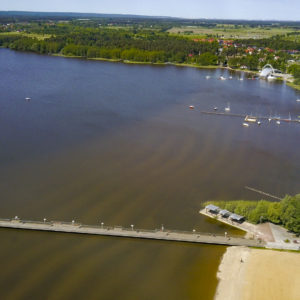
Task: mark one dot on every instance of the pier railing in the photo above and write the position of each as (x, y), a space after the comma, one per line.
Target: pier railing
(192, 233)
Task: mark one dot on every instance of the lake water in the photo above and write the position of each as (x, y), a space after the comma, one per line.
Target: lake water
(116, 143)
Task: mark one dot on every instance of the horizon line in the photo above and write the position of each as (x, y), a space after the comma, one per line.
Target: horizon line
(149, 16)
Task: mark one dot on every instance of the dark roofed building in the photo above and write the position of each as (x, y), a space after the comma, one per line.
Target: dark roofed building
(224, 213)
(237, 218)
(212, 208)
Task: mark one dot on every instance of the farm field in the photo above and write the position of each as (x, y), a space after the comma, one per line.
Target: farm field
(231, 31)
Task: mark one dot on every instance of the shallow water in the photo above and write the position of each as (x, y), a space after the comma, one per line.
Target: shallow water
(114, 143)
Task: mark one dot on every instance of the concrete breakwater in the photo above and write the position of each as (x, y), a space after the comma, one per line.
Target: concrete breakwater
(159, 234)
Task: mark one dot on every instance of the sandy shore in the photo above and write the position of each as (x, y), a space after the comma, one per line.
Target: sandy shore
(248, 274)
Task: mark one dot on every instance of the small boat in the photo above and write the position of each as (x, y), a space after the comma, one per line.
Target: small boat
(271, 77)
(298, 100)
(227, 108)
(222, 78)
(258, 122)
(230, 77)
(278, 122)
(191, 106)
(27, 98)
(215, 108)
(207, 77)
(250, 119)
(241, 79)
(245, 124)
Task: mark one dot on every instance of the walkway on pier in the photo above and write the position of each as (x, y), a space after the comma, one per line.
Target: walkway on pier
(166, 235)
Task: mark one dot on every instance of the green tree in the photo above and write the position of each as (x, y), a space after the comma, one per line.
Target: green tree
(207, 59)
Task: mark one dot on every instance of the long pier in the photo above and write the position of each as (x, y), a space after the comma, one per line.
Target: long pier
(160, 234)
(228, 114)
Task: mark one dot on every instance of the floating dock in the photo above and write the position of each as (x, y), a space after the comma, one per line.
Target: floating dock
(160, 234)
(228, 114)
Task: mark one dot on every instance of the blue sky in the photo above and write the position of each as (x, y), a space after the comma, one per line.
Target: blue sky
(227, 9)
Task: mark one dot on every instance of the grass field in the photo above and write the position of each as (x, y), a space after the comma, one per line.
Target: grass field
(32, 35)
(230, 31)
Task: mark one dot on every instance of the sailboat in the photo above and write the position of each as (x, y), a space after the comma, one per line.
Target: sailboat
(227, 108)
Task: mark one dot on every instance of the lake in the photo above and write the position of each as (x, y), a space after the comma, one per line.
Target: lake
(117, 143)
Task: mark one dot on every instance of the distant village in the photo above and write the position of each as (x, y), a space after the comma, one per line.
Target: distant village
(235, 53)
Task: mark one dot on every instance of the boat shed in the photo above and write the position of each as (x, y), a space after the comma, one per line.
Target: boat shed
(224, 213)
(237, 218)
(212, 208)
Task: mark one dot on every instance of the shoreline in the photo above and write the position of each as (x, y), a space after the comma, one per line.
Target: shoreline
(210, 67)
(115, 60)
(248, 273)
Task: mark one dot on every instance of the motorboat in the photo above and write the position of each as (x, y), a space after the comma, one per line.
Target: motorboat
(227, 108)
(215, 108)
(258, 122)
(278, 122)
(222, 78)
(298, 100)
(191, 106)
(250, 119)
(207, 77)
(245, 124)
(27, 98)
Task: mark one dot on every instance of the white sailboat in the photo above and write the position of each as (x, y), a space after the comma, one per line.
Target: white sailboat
(227, 108)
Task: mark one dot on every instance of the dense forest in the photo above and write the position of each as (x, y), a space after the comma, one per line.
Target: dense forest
(285, 213)
(143, 46)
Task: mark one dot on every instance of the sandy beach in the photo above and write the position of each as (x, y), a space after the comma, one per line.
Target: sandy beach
(248, 274)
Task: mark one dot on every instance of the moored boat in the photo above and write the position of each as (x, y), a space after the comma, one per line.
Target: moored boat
(250, 119)
(227, 108)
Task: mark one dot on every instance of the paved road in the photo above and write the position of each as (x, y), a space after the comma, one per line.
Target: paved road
(167, 235)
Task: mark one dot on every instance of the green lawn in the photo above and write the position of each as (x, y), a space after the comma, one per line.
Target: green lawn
(32, 35)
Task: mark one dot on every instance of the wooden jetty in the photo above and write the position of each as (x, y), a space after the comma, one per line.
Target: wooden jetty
(160, 234)
(228, 114)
